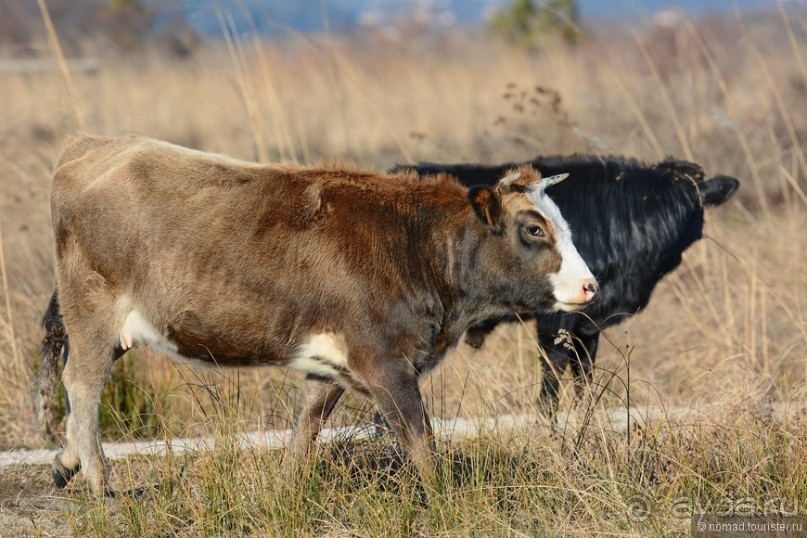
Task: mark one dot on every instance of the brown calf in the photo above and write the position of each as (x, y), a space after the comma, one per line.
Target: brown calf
(360, 279)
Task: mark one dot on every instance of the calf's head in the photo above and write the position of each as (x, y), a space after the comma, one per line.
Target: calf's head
(532, 254)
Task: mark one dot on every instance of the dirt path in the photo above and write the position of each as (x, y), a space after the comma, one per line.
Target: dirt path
(31, 506)
(615, 420)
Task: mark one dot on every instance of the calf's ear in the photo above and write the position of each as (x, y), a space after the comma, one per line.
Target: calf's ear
(487, 205)
(718, 189)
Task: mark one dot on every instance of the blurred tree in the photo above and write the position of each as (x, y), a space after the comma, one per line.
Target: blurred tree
(108, 25)
(127, 22)
(14, 22)
(526, 21)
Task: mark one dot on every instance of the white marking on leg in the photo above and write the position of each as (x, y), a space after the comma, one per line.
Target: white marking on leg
(328, 346)
(324, 354)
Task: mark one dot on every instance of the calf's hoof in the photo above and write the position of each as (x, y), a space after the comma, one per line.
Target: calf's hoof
(61, 474)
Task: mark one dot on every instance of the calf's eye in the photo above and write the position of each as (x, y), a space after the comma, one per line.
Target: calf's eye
(535, 230)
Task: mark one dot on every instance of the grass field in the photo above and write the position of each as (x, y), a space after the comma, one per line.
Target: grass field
(727, 329)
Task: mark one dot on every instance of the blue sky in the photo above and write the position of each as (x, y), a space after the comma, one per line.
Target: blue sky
(634, 8)
(306, 15)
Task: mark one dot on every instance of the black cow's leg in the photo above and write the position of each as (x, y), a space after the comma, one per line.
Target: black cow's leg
(583, 364)
(551, 384)
(557, 360)
(475, 337)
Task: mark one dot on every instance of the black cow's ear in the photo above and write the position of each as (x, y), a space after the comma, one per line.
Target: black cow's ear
(487, 205)
(718, 189)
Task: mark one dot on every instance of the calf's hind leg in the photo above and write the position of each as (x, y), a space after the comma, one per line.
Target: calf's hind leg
(317, 402)
(85, 375)
(89, 314)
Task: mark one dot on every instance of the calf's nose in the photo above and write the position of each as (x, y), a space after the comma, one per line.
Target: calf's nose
(590, 289)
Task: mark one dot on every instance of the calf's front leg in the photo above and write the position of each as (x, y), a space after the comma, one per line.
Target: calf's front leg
(394, 387)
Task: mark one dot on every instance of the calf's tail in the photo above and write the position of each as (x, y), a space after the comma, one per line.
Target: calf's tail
(53, 344)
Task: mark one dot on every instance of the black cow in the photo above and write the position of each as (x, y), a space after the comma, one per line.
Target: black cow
(631, 223)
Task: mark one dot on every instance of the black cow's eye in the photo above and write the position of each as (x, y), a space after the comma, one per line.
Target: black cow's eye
(535, 230)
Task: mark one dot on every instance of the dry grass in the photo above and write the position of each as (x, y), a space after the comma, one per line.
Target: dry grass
(727, 328)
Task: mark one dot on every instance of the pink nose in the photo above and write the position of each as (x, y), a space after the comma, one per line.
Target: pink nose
(590, 289)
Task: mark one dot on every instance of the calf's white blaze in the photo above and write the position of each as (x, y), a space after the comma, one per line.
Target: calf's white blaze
(568, 282)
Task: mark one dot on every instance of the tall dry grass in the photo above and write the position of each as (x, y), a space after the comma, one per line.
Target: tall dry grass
(727, 328)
